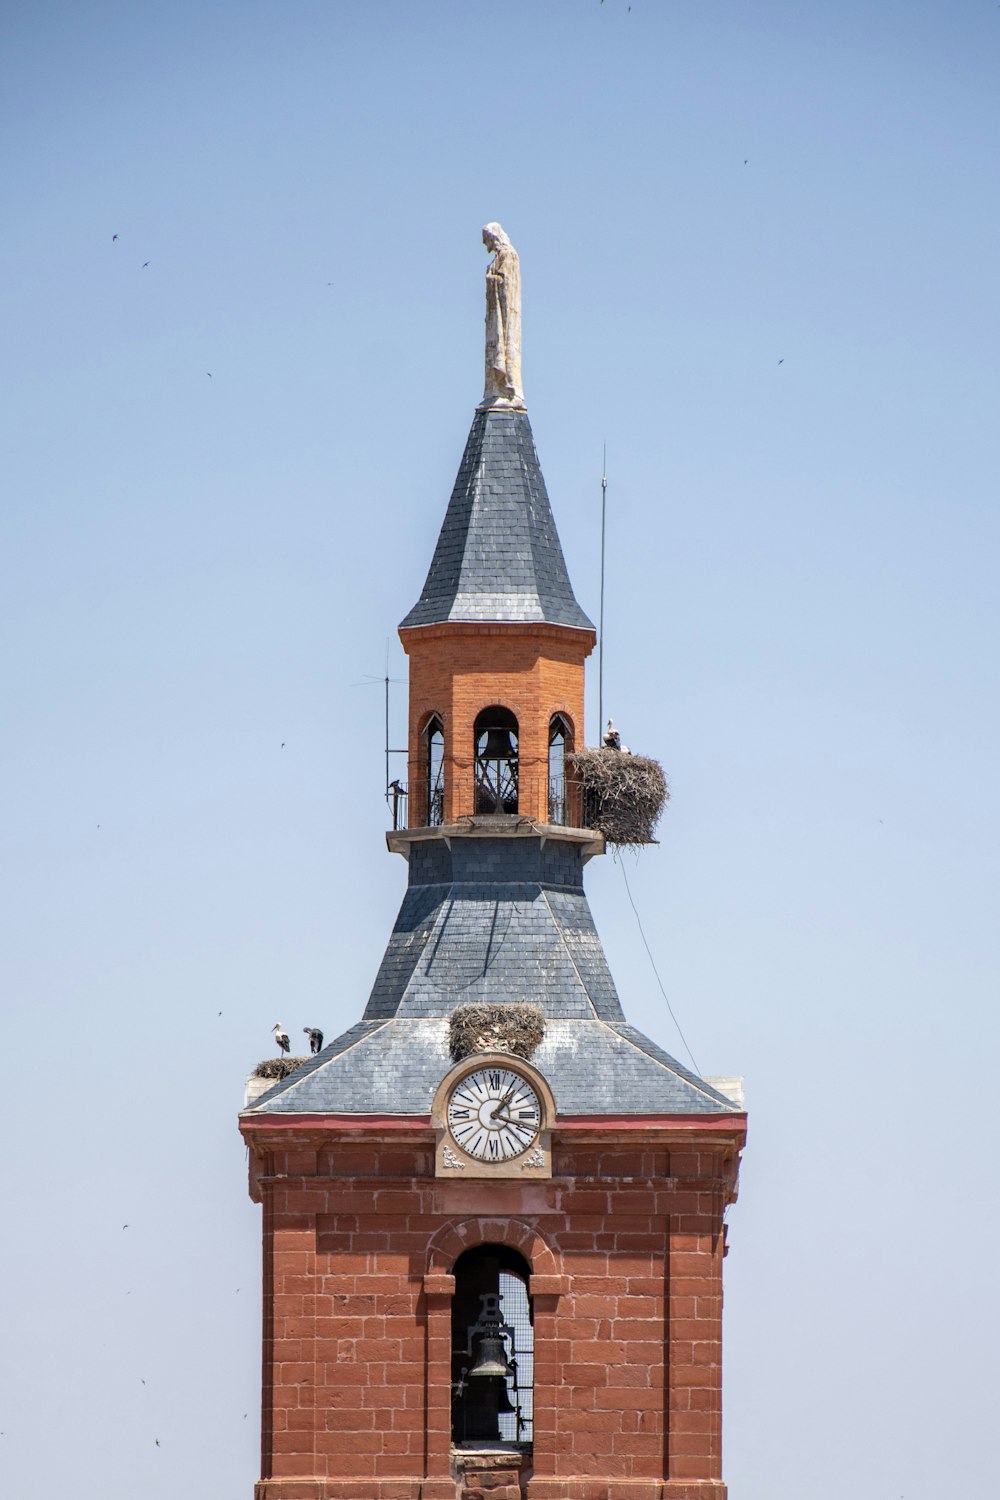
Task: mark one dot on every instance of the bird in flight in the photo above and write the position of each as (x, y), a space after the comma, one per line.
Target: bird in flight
(281, 1037)
(283, 744)
(145, 264)
(124, 1226)
(157, 1441)
(113, 238)
(209, 374)
(781, 361)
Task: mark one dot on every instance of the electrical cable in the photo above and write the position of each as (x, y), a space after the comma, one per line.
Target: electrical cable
(656, 971)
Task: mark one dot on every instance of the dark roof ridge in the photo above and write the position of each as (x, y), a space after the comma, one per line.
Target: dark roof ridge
(657, 1054)
(569, 954)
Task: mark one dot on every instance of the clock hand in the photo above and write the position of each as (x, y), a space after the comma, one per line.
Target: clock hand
(501, 1104)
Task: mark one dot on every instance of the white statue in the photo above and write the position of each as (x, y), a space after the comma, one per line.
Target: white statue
(503, 321)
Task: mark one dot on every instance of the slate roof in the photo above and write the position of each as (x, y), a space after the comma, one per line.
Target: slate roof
(498, 556)
(394, 1067)
(494, 920)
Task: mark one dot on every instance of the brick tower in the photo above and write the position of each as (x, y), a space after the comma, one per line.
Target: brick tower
(493, 1210)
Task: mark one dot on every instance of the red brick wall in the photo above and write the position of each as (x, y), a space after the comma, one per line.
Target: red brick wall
(625, 1246)
(458, 670)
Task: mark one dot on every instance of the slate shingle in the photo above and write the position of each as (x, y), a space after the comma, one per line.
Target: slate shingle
(498, 556)
(495, 920)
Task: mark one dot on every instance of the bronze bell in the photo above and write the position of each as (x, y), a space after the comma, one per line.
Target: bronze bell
(491, 1358)
(499, 746)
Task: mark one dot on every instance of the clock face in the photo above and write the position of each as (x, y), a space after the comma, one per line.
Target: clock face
(494, 1114)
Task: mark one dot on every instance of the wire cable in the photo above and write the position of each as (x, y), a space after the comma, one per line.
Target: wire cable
(656, 971)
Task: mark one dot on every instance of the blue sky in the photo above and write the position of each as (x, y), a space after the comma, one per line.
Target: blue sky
(759, 246)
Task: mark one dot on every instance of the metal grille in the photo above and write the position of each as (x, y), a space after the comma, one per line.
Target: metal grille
(516, 1426)
(496, 786)
(435, 774)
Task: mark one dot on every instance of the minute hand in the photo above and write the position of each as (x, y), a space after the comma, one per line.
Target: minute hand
(509, 1120)
(502, 1103)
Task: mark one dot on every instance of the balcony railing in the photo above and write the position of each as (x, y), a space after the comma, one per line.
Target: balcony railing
(397, 799)
(555, 799)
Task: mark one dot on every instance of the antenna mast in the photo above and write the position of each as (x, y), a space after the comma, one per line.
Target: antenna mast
(387, 750)
(600, 623)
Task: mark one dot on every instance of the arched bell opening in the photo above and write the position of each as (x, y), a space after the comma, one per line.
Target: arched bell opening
(433, 759)
(495, 748)
(493, 1349)
(560, 745)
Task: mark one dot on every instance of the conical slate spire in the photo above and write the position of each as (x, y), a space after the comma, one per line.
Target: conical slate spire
(498, 556)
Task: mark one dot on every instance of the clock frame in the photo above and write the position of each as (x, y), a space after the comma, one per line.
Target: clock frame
(452, 1159)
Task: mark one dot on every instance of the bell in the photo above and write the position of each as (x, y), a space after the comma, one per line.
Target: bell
(499, 746)
(491, 1358)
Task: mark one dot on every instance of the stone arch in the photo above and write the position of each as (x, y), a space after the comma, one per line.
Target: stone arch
(452, 1239)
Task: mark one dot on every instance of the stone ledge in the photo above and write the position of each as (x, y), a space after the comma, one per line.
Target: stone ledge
(514, 826)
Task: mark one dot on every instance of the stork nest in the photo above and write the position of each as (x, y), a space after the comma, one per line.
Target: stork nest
(623, 795)
(278, 1067)
(516, 1028)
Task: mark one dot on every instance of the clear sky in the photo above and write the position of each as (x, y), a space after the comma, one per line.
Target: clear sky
(759, 244)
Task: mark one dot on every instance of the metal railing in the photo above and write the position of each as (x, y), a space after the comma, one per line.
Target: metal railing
(397, 800)
(555, 799)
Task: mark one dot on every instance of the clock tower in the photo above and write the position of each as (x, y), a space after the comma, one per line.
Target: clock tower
(492, 1209)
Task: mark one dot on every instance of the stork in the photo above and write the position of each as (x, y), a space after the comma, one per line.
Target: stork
(281, 1037)
(613, 740)
(315, 1038)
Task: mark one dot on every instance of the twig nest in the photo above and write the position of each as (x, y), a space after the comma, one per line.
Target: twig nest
(278, 1067)
(623, 795)
(516, 1028)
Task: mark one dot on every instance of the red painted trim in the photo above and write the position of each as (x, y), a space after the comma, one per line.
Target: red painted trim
(535, 629)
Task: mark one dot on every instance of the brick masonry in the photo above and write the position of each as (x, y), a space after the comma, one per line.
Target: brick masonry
(456, 670)
(625, 1246)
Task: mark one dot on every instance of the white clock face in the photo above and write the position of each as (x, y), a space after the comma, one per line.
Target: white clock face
(494, 1114)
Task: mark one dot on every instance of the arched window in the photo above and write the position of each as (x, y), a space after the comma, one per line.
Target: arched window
(434, 761)
(560, 745)
(495, 737)
(493, 1349)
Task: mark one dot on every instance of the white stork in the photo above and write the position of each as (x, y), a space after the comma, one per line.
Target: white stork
(281, 1037)
(315, 1038)
(613, 740)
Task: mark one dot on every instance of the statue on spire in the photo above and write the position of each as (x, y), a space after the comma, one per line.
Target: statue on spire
(503, 321)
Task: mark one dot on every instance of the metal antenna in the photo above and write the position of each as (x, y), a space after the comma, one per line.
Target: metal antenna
(385, 680)
(387, 712)
(600, 623)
